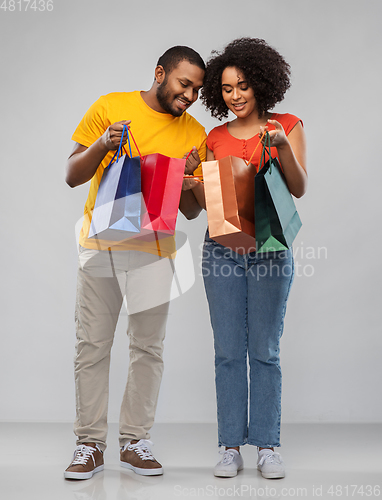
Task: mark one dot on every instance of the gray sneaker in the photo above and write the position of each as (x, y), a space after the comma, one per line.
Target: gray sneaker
(270, 464)
(230, 464)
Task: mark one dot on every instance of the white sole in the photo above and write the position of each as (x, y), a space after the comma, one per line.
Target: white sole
(82, 475)
(272, 475)
(142, 472)
(225, 473)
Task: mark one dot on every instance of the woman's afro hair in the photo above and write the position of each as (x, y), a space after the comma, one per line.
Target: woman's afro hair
(264, 69)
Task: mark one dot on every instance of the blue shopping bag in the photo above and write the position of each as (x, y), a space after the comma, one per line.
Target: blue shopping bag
(117, 210)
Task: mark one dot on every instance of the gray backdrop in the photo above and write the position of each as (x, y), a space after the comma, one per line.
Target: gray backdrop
(54, 64)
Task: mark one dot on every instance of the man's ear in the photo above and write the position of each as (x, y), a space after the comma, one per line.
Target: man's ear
(159, 74)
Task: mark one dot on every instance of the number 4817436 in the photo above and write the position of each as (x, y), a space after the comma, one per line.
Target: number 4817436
(24, 5)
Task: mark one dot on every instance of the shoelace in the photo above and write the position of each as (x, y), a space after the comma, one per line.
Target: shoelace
(270, 458)
(228, 457)
(82, 454)
(142, 448)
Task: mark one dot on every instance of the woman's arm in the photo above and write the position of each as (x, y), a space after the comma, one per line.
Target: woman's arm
(291, 150)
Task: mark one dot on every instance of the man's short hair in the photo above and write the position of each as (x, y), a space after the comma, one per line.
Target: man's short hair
(175, 55)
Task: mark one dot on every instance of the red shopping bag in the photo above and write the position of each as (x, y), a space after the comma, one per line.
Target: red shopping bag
(161, 185)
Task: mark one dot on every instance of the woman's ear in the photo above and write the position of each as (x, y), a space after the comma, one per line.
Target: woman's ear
(159, 74)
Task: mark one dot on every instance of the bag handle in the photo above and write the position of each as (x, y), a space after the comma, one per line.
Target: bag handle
(120, 147)
(267, 139)
(125, 127)
(129, 129)
(258, 144)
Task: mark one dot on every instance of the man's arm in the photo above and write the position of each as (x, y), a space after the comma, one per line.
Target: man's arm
(82, 164)
(189, 205)
(196, 187)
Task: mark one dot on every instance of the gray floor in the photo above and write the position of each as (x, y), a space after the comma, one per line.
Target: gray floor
(323, 461)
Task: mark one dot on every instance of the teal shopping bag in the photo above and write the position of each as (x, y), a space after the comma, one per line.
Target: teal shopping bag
(276, 219)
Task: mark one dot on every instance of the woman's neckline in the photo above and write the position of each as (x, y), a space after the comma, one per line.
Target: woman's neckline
(253, 137)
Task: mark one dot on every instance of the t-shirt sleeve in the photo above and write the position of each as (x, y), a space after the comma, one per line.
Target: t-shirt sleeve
(288, 121)
(93, 124)
(202, 151)
(210, 140)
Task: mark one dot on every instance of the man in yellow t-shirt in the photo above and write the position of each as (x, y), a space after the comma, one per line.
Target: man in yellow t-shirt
(138, 273)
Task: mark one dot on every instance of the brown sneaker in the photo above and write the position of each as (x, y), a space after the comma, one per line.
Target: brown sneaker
(87, 460)
(136, 455)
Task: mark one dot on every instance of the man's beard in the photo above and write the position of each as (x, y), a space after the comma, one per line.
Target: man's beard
(163, 96)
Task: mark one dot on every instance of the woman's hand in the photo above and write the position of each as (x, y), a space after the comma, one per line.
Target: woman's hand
(277, 136)
(291, 151)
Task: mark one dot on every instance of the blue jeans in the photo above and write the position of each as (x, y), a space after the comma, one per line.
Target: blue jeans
(247, 296)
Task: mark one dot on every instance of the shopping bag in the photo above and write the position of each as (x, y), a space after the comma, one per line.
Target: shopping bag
(276, 217)
(229, 191)
(117, 210)
(162, 179)
(161, 184)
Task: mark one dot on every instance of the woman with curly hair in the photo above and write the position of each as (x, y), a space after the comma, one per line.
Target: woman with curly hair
(247, 305)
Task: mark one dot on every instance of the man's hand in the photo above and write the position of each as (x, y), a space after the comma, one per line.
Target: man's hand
(82, 164)
(112, 135)
(192, 162)
(190, 183)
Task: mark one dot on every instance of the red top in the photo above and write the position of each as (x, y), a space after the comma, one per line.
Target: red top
(223, 144)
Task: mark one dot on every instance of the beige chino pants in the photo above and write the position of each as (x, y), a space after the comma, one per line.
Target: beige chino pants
(105, 280)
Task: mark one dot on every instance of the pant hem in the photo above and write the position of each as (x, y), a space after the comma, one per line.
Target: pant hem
(262, 445)
(231, 445)
(102, 446)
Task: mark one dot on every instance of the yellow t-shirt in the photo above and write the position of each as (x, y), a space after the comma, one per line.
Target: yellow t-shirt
(154, 133)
